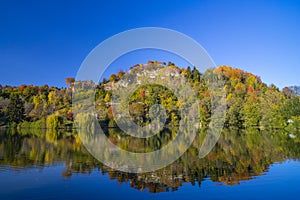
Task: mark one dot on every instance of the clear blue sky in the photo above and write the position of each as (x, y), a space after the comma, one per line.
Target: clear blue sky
(42, 42)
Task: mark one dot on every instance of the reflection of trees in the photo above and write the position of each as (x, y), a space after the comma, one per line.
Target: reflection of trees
(149, 144)
(19, 150)
(238, 155)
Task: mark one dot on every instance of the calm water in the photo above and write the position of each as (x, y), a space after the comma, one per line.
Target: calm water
(244, 164)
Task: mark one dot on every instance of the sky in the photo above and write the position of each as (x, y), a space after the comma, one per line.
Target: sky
(43, 42)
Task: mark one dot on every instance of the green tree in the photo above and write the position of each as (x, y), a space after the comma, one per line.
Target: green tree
(54, 122)
(196, 75)
(15, 109)
(251, 112)
(272, 104)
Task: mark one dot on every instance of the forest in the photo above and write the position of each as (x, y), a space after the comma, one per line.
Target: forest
(250, 102)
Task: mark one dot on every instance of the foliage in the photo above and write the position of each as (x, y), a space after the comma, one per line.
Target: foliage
(53, 122)
(250, 102)
(15, 109)
(70, 80)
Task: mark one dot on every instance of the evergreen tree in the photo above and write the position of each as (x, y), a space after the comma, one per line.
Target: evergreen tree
(15, 109)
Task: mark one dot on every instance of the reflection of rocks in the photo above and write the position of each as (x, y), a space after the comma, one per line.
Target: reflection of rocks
(158, 182)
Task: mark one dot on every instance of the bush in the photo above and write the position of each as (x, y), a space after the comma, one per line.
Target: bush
(39, 124)
(53, 122)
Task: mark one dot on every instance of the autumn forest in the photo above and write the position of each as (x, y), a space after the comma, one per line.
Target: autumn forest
(250, 102)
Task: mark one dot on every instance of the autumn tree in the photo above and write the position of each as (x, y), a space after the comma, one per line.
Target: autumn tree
(120, 74)
(70, 80)
(113, 78)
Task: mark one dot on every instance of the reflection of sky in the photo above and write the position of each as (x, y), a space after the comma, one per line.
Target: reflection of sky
(46, 41)
(281, 182)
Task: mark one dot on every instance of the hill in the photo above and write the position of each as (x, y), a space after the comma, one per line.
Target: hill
(250, 102)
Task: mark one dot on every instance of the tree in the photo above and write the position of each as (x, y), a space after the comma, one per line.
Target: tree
(272, 114)
(295, 89)
(120, 74)
(113, 78)
(184, 72)
(54, 122)
(196, 75)
(251, 112)
(189, 72)
(287, 92)
(70, 80)
(171, 64)
(291, 107)
(107, 98)
(29, 92)
(15, 109)
(142, 94)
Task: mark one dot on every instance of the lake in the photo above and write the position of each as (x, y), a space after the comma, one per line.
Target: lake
(245, 164)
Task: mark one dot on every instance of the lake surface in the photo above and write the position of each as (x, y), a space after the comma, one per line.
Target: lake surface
(243, 165)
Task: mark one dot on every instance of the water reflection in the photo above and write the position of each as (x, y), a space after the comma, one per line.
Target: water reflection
(239, 155)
